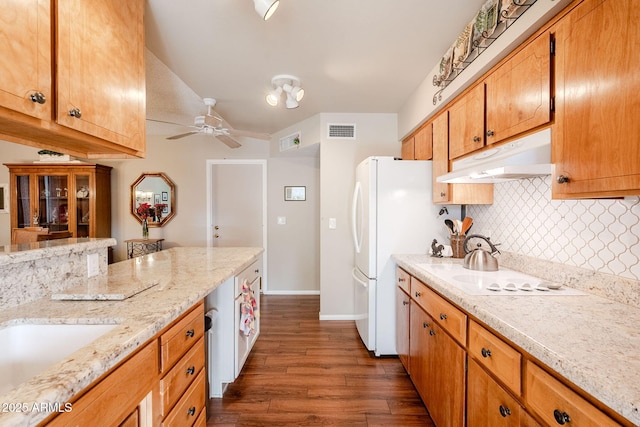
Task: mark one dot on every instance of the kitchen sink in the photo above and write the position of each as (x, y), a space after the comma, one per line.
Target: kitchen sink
(503, 282)
(29, 349)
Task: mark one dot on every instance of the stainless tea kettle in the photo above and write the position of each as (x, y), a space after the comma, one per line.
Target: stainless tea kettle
(479, 258)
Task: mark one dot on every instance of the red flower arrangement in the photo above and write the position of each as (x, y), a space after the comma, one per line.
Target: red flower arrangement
(143, 210)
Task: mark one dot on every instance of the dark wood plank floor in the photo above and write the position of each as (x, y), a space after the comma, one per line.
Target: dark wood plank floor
(302, 371)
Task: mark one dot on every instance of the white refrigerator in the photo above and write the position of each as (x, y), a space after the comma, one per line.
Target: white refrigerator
(392, 212)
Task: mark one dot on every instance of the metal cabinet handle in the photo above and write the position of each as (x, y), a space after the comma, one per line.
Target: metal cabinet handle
(191, 333)
(256, 271)
(561, 417)
(405, 302)
(38, 97)
(401, 279)
(562, 179)
(418, 294)
(476, 139)
(425, 325)
(504, 411)
(432, 332)
(75, 113)
(191, 370)
(442, 194)
(192, 411)
(443, 316)
(490, 133)
(485, 352)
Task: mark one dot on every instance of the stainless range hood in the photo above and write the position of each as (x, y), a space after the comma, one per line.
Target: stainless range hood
(524, 158)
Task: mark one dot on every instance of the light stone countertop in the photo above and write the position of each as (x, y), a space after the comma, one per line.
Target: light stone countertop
(184, 275)
(592, 341)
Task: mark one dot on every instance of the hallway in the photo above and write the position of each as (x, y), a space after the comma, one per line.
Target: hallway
(306, 372)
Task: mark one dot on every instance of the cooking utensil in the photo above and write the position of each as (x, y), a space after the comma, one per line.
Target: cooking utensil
(467, 222)
(450, 226)
(457, 225)
(479, 258)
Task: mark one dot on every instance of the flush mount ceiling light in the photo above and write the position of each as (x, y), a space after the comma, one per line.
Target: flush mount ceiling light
(288, 84)
(266, 8)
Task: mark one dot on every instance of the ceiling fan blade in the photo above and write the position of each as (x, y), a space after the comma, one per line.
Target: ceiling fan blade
(182, 135)
(216, 121)
(165, 122)
(230, 142)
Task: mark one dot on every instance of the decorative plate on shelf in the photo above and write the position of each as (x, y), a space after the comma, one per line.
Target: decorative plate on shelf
(462, 47)
(508, 8)
(485, 22)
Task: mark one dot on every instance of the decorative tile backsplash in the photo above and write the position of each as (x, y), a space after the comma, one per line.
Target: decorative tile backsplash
(601, 235)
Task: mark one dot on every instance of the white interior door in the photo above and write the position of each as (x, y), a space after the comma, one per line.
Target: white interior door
(237, 198)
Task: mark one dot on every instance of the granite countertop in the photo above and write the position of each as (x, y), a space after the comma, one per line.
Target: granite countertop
(184, 277)
(592, 341)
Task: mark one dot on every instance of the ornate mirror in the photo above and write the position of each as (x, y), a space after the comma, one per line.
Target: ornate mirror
(153, 195)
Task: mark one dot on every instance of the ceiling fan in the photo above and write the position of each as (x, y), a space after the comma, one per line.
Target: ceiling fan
(212, 124)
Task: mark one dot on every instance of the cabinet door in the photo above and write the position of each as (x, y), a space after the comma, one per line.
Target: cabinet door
(466, 123)
(596, 142)
(408, 149)
(441, 191)
(519, 91)
(488, 404)
(402, 326)
(53, 202)
(423, 143)
(100, 69)
(419, 352)
(25, 69)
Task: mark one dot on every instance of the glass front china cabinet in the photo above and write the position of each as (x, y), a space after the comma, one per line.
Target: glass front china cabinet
(74, 197)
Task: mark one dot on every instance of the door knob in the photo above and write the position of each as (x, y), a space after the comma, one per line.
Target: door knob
(216, 235)
(217, 227)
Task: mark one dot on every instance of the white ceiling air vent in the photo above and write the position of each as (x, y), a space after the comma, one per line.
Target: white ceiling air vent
(341, 131)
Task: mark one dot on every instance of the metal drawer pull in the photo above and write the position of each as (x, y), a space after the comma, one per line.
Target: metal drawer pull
(191, 370)
(192, 411)
(75, 113)
(401, 279)
(561, 417)
(504, 411)
(476, 139)
(38, 97)
(432, 332)
(191, 333)
(485, 352)
(425, 325)
(443, 316)
(405, 302)
(418, 294)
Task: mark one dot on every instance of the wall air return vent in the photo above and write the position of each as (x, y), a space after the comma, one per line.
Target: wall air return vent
(341, 131)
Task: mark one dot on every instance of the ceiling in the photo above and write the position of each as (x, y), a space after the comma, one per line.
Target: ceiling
(364, 56)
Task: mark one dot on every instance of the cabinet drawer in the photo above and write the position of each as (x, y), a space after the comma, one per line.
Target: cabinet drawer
(250, 274)
(173, 385)
(448, 316)
(180, 337)
(551, 399)
(188, 409)
(403, 278)
(495, 355)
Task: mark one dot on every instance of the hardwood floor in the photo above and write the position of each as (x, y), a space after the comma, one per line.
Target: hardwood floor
(302, 371)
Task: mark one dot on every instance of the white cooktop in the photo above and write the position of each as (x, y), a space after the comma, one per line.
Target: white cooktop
(502, 282)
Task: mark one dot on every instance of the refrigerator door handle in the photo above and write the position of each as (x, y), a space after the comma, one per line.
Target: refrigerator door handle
(354, 273)
(357, 197)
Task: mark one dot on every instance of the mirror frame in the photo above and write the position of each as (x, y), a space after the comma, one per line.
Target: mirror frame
(172, 198)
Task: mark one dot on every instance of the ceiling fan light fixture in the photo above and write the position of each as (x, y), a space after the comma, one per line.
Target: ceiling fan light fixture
(288, 84)
(266, 8)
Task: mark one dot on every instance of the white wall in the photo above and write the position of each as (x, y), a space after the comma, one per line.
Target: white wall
(376, 134)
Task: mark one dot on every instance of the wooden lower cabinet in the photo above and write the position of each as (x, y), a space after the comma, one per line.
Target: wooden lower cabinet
(403, 303)
(163, 383)
(437, 369)
(490, 405)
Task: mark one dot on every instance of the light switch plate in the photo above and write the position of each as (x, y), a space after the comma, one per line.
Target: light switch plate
(93, 267)
(332, 223)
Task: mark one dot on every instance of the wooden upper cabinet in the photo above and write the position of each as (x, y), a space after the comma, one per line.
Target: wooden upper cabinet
(423, 141)
(80, 56)
(419, 146)
(444, 193)
(100, 69)
(25, 69)
(466, 123)
(596, 139)
(519, 91)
